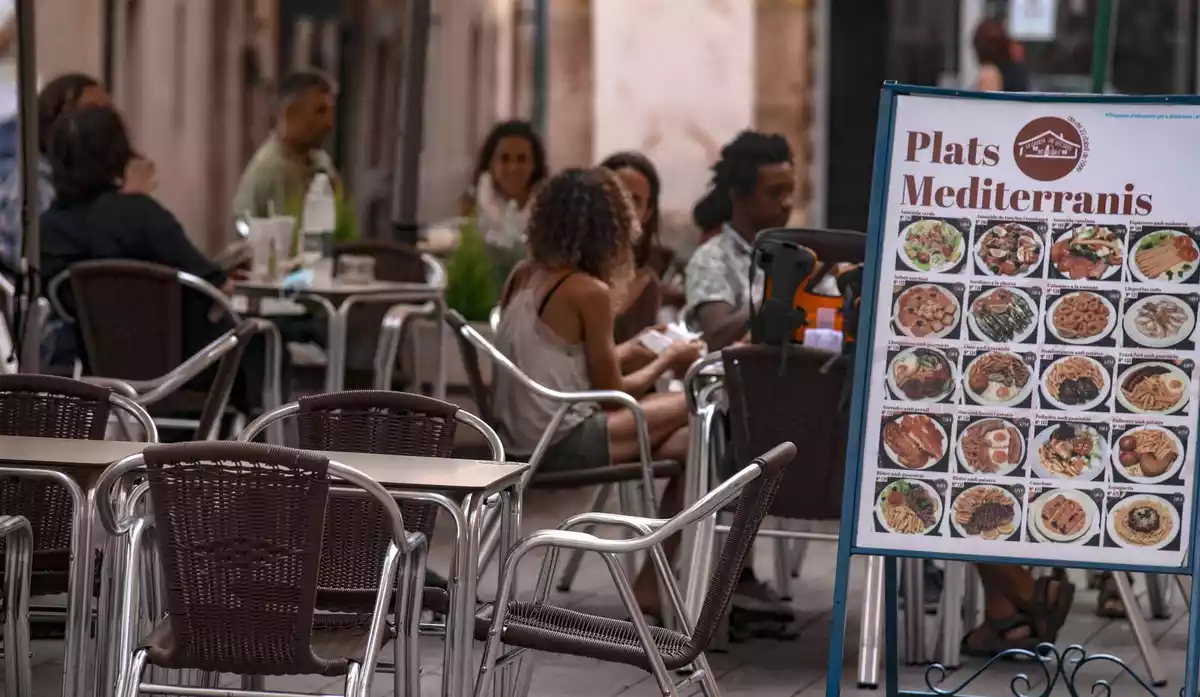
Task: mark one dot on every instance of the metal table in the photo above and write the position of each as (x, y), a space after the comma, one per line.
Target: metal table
(461, 487)
(339, 298)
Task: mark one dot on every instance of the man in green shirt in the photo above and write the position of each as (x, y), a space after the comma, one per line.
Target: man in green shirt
(280, 172)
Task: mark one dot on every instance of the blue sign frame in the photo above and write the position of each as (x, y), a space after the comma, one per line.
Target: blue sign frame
(847, 548)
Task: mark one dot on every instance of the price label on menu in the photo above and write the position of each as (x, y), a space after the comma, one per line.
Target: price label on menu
(1033, 384)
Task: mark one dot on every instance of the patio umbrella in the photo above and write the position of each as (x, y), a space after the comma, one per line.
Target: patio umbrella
(29, 330)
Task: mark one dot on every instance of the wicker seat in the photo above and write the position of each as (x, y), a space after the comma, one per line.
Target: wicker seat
(238, 529)
(129, 316)
(542, 627)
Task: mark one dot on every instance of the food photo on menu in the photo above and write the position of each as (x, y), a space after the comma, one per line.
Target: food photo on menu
(1154, 385)
(1148, 454)
(1064, 516)
(1076, 382)
(1159, 320)
(932, 245)
(986, 511)
(991, 445)
(1087, 252)
(1164, 254)
(909, 506)
(922, 374)
(927, 310)
(1081, 317)
(1144, 521)
(1003, 314)
(915, 441)
(999, 378)
(1009, 248)
(1070, 450)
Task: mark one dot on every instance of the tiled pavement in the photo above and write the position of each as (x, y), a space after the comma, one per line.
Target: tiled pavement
(761, 668)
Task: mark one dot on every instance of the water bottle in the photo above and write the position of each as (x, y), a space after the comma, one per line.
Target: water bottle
(320, 218)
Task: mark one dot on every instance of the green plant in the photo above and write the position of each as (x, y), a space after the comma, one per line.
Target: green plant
(471, 288)
(346, 225)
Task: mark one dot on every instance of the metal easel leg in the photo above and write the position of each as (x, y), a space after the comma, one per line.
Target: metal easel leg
(871, 626)
(914, 611)
(891, 629)
(952, 613)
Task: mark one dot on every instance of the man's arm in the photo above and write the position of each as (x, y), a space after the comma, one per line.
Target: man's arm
(711, 300)
(721, 325)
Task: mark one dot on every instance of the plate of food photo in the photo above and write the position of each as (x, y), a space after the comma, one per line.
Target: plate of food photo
(1165, 256)
(1081, 317)
(990, 446)
(1148, 454)
(1088, 252)
(923, 375)
(908, 507)
(986, 512)
(1159, 321)
(1009, 249)
(931, 246)
(1069, 451)
(1003, 315)
(926, 311)
(914, 441)
(1156, 387)
(1075, 383)
(1143, 521)
(1064, 516)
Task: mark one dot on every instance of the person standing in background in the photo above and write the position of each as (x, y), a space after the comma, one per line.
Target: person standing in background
(279, 174)
(999, 69)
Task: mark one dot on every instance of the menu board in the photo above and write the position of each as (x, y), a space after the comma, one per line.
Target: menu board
(1033, 375)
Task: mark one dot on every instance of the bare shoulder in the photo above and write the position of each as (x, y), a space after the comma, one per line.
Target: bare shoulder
(990, 79)
(587, 288)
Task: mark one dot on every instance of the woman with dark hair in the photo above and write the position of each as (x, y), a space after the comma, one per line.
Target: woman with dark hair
(999, 69)
(511, 163)
(557, 326)
(61, 95)
(93, 217)
(638, 175)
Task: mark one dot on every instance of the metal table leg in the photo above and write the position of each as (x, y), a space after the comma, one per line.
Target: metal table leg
(468, 590)
(869, 653)
(439, 385)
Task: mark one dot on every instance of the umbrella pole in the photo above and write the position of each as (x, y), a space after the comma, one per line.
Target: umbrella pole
(1101, 45)
(29, 330)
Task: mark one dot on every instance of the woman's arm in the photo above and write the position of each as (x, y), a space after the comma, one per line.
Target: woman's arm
(604, 369)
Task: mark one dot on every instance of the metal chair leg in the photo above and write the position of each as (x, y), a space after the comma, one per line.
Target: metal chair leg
(783, 572)
(1141, 630)
(576, 558)
(18, 569)
(1158, 590)
(912, 572)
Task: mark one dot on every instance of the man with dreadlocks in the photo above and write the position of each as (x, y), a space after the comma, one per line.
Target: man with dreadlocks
(754, 181)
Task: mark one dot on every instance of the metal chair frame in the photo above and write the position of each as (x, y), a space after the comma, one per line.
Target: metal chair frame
(81, 572)
(150, 392)
(412, 547)
(18, 569)
(650, 533)
(565, 400)
(443, 502)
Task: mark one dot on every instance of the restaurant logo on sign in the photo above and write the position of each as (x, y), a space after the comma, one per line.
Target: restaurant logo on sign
(1049, 148)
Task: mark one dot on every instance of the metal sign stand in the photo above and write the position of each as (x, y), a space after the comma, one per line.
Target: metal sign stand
(1057, 666)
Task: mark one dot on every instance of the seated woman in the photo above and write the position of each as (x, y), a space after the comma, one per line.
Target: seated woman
(557, 327)
(93, 218)
(640, 179)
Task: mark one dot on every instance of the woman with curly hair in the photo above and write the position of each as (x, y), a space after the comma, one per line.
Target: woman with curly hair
(557, 327)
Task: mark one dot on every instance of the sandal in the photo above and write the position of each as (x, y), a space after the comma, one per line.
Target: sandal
(1049, 618)
(1109, 604)
(993, 637)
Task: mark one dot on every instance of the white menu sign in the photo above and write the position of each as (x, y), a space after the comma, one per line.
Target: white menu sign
(1034, 375)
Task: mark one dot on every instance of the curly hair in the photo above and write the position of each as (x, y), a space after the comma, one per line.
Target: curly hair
(513, 129)
(737, 170)
(582, 218)
(643, 166)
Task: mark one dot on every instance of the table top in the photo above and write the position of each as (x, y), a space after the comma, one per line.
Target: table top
(325, 285)
(392, 471)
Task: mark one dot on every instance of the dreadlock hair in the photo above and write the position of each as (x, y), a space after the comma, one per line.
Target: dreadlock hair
(712, 211)
(736, 173)
(582, 218)
(643, 166)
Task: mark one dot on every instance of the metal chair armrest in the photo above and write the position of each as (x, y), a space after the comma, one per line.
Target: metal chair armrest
(391, 332)
(158, 389)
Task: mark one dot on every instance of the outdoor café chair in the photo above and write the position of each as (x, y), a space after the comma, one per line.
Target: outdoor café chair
(54, 503)
(632, 475)
(238, 531)
(128, 314)
(536, 625)
(375, 324)
(356, 532)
